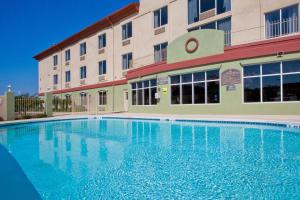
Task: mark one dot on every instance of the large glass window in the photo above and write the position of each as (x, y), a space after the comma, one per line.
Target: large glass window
(196, 88)
(273, 82)
(196, 7)
(282, 22)
(102, 98)
(127, 31)
(82, 49)
(127, 61)
(83, 72)
(161, 17)
(160, 52)
(102, 41)
(68, 55)
(102, 67)
(144, 92)
(68, 76)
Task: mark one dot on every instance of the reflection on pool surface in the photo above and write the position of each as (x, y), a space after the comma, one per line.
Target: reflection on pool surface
(124, 159)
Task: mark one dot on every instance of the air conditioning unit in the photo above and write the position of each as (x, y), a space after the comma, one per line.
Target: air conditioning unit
(82, 58)
(67, 63)
(101, 109)
(67, 85)
(101, 51)
(126, 42)
(54, 68)
(82, 82)
(159, 30)
(101, 78)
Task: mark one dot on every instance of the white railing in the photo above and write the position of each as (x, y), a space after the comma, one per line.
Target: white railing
(29, 106)
(282, 27)
(227, 39)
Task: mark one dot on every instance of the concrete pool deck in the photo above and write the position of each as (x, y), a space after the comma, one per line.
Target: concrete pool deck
(283, 119)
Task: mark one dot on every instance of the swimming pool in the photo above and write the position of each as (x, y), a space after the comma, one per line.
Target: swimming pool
(136, 159)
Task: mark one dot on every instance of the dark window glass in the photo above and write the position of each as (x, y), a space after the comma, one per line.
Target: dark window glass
(175, 94)
(193, 11)
(140, 84)
(153, 99)
(164, 16)
(146, 84)
(272, 24)
(272, 68)
(82, 49)
(213, 94)
(127, 31)
(252, 90)
(289, 20)
(223, 6)
(199, 76)
(187, 94)
(102, 41)
(199, 93)
(55, 60)
(175, 79)
(212, 75)
(291, 66)
(153, 82)
(186, 78)
(209, 26)
(157, 19)
(253, 70)
(68, 76)
(134, 97)
(68, 55)
(140, 97)
(146, 96)
(82, 72)
(133, 86)
(207, 5)
(55, 79)
(291, 87)
(271, 88)
(102, 67)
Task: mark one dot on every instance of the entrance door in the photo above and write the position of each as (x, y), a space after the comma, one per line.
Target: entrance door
(125, 101)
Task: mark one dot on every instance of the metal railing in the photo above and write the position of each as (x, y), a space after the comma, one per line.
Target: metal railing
(28, 106)
(227, 38)
(282, 27)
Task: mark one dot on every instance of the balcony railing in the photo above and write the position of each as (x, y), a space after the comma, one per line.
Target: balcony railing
(227, 39)
(282, 27)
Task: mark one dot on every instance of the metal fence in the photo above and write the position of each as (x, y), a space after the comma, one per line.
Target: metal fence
(282, 27)
(29, 106)
(227, 38)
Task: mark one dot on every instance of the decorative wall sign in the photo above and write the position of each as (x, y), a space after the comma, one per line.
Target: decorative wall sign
(231, 77)
(191, 45)
(165, 90)
(163, 80)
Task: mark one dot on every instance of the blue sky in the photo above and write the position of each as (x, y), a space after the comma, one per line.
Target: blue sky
(29, 27)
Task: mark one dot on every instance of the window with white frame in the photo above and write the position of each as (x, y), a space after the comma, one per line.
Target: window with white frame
(144, 93)
(282, 22)
(55, 60)
(102, 98)
(82, 49)
(55, 79)
(196, 88)
(102, 67)
(197, 7)
(161, 17)
(83, 72)
(127, 31)
(67, 55)
(83, 99)
(272, 82)
(127, 61)
(102, 41)
(68, 76)
(160, 52)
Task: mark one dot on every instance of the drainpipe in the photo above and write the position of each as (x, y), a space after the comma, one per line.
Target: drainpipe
(113, 67)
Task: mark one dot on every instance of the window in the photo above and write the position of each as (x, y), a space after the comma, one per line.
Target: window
(102, 67)
(127, 31)
(161, 17)
(144, 92)
(102, 98)
(83, 99)
(223, 25)
(68, 76)
(197, 7)
(273, 82)
(82, 49)
(196, 88)
(160, 52)
(67, 55)
(55, 79)
(282, 22)
(127, 61)
(102, 41)
(83, 72)
(55, 60)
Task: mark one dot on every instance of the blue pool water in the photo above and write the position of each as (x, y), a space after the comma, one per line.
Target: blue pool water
(125, 159)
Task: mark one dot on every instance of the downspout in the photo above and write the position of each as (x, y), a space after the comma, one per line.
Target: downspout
(113, 67)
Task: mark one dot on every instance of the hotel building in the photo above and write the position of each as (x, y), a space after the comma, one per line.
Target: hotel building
(182, 57)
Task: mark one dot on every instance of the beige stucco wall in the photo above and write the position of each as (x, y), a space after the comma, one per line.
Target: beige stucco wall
(247, 26)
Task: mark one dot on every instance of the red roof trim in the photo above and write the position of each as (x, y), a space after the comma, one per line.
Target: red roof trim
(89, 87)
(90, 30)
(246, 51)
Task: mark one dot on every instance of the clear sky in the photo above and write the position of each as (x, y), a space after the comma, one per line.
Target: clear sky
(28, 27)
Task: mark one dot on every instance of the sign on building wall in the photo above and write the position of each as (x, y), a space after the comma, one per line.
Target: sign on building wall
(163, 80)
(230, 78)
